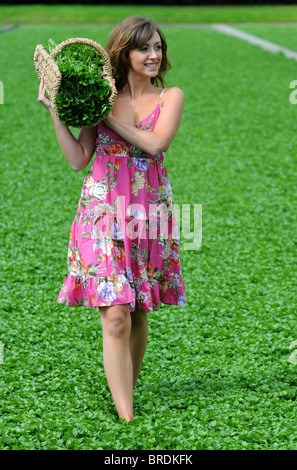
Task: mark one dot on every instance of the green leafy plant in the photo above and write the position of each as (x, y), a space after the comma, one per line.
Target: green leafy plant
(83, 98)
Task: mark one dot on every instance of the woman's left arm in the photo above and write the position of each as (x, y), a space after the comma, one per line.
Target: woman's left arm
(156, 141)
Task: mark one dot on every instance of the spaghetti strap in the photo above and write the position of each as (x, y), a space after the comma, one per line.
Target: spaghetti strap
(162, 94)
(157, 111)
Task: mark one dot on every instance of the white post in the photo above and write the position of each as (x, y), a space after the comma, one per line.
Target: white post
(1, 93)
(1, 353)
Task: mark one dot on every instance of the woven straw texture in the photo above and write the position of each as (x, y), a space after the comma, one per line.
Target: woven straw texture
(47, 69)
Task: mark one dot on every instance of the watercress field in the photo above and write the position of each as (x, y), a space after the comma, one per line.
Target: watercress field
(217, 373)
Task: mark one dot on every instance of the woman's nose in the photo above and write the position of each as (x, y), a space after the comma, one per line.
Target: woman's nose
(153, 53)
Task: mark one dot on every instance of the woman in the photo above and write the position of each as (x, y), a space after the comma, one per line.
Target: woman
(130, 266)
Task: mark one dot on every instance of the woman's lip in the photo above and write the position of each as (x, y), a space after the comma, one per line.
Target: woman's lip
(152, 65)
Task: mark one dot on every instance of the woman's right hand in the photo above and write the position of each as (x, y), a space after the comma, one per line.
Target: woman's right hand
(42, 98)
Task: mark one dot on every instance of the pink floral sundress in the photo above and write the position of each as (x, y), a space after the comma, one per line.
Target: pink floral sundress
(121, 249)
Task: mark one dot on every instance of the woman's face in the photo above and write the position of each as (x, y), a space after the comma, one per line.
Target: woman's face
(147, 59)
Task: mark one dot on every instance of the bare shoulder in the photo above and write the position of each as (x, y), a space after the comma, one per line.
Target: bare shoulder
(172, 101)
(174, 95)
(174, 90)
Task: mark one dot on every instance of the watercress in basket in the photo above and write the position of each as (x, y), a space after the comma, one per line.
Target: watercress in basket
(83, 97)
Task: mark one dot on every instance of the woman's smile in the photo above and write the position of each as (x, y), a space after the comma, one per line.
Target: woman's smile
(152, 65)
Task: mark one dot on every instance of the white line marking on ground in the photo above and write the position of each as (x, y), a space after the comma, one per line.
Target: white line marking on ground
(266, 45)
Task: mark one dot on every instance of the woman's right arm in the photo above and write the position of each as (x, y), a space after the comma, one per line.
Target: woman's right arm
(77, 151)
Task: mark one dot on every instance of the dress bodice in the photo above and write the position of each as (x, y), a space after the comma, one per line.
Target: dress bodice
(110, 143)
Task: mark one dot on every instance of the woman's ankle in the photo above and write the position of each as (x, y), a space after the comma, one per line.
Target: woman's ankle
(127, 416)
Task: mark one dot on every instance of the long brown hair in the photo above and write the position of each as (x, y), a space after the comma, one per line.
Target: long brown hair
(133, 33)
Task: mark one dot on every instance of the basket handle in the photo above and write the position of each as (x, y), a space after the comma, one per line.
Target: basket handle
(84, 41)
(107, 68)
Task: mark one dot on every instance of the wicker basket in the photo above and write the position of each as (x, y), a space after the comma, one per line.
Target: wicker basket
(47, 69)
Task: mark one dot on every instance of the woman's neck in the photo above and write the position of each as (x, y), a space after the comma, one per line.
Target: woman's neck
(137, 86)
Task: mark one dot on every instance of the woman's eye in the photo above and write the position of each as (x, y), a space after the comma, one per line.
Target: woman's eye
(145, 48)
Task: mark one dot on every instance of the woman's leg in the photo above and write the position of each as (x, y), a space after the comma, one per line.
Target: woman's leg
(116, 327)
(138, 340)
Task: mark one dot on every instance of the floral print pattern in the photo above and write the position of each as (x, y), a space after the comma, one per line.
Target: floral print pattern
(119, 251)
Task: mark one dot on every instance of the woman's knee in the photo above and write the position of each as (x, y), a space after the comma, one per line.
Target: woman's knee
(116, 320)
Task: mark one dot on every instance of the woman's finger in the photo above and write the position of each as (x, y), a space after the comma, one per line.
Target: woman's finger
(41, 86)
